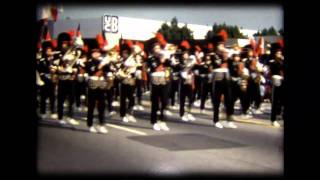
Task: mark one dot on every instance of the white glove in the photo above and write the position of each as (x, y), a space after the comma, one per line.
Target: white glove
(262, 80)
(253, 75)
(184, 75)
(69, 70)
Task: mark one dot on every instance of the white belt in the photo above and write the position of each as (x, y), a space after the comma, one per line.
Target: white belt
(158, 78)
(96, 78)
(65, 77)
(220, 70)
(235, 78)
(220, 74)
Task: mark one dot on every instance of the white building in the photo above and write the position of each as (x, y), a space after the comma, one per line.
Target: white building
(128, 28)
(248, 32)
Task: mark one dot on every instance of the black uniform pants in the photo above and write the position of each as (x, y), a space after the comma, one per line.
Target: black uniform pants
(185, 91)
(139, 84)
(174, 89)
(206, 89)
(96, 96)
(116, 86)
(126, 92)
(236, 93)
(277, 102)
(47, 91)
(221, 88)
(197, 87)
(65, 89)
(110, 93)
(159, 94)
(80, 89)
(254, 93)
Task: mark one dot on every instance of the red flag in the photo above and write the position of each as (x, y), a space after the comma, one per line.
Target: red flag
(253, 43)
(39, 46)
(48, 37)
(100, 40)
(260, 46)
(280, 41)
(54, 43)
(129, 43)
(224, 34)
(185, 44)
(210, 46)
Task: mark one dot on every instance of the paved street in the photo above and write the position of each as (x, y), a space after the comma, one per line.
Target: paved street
(255, 147)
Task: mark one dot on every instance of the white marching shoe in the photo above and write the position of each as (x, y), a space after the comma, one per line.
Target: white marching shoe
(147, 92)
(246, 116)
(43, 116)
(62, 122)
(168, 113)
(232, 125)
(131, 118)
(140, 108)
(73, 121)
(218, 125)
(82, 97)
(258, 111)
(92, 129)
(103, 129)
(125, 119)
(203, 111)
(197, 103)
(54, 116)
(208, 103)
(156, 127)
(276, 124)
(163, 126)
(112, 113)
(135, 107)
(175, 107)
(185, 118)
(115, 103)
(191, 117)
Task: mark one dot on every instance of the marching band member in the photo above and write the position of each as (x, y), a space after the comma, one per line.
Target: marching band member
(159, 73)
(187, 81)
(197, 78)
(221, 77)
(175, 78)
(254, 81)
(277, 75)
(139, 56)
(111, 55)
(206, 77)
(239, 80)
(66, 74)
(97, 68)
(81, 82)
(45, 70)
(128, 81)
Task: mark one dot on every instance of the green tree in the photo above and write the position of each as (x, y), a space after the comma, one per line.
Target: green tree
(174, 33)
(272, 31)
(264, 32)
(281, 32)
(232, 31)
